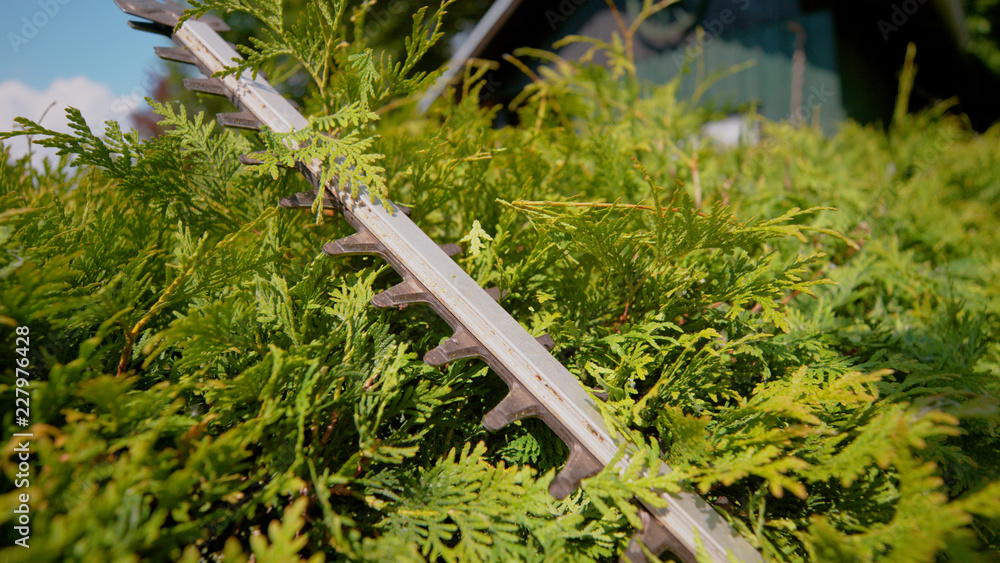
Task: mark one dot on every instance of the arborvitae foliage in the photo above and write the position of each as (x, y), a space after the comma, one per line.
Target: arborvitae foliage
(205, 384)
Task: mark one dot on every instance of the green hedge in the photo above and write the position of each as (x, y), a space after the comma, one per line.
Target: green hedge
(805, 329)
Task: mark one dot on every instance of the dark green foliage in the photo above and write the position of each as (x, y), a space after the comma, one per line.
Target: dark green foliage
(983, 19)
(350, 80)
(206, 384)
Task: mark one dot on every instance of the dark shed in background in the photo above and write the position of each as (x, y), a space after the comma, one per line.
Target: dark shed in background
(812, 60)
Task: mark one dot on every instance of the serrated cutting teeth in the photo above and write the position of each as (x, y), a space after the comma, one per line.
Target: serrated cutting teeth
(252, 160)
(580, 465)
(450, 249)
(495, 293)
(164, 13)
(540, 386)
(152, 27)
(362, 242)
(517, 405)
(176, 54)
(212, 86)
(461, 345)
(546, 341)
(656, 538)
(242, 120)
(402, 294)
(304, 200)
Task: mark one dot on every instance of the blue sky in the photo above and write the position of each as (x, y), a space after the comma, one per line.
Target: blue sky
(83, 37)
(78, 53)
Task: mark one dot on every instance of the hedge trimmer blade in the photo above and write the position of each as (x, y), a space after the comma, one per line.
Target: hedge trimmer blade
(539, 385)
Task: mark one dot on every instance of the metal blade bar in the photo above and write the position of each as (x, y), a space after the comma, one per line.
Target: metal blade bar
(516, 355)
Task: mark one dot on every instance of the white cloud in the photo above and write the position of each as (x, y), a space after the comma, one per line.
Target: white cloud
(95, 101)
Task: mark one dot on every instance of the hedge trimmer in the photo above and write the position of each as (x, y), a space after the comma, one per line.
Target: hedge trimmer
(540, 386)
